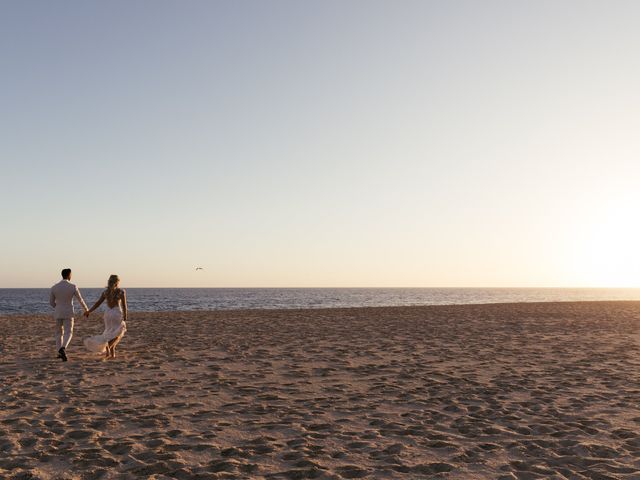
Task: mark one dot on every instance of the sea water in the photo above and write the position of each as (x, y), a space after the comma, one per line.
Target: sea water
(36, 300)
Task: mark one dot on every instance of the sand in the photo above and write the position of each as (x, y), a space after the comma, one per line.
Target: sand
(547, 390)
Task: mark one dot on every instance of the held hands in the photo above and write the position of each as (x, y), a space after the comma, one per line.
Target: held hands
(87, 313)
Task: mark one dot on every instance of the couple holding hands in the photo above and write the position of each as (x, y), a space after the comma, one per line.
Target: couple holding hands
(61, 299)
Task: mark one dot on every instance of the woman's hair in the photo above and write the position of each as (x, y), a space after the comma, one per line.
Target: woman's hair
(112, 289)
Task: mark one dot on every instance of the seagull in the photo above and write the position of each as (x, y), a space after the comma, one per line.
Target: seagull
(199, 268)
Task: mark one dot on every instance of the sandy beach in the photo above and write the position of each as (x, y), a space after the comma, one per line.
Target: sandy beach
(545, 390)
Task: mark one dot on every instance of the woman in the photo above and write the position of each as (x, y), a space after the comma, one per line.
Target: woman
(114, 319)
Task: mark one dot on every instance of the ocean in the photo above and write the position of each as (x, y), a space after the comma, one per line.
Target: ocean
(36, 300)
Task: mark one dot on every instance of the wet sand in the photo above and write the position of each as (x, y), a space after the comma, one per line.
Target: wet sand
(546, 390)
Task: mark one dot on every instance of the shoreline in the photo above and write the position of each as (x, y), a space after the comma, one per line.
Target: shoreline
(316, 309)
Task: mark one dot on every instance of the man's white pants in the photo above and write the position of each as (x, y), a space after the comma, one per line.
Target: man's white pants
(64, 332)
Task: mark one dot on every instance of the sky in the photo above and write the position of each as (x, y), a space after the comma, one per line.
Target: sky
(320, 144)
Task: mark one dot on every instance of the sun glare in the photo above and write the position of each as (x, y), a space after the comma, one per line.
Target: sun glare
(609, 255)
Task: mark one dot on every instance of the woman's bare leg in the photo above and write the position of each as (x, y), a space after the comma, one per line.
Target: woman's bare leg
(110, 349)
(111, 346)
(115, 341)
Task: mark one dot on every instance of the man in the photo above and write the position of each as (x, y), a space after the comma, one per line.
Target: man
(61, 299)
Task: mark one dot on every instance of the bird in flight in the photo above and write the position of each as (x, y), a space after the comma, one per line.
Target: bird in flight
(199, 268)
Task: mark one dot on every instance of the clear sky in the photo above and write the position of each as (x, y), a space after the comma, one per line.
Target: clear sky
(327, 143)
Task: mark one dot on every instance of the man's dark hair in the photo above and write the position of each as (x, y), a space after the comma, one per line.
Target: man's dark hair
(66, 272)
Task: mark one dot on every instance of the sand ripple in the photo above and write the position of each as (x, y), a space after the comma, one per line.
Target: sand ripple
(520, 391)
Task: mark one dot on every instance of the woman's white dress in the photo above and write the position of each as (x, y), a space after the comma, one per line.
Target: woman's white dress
(114, 326)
